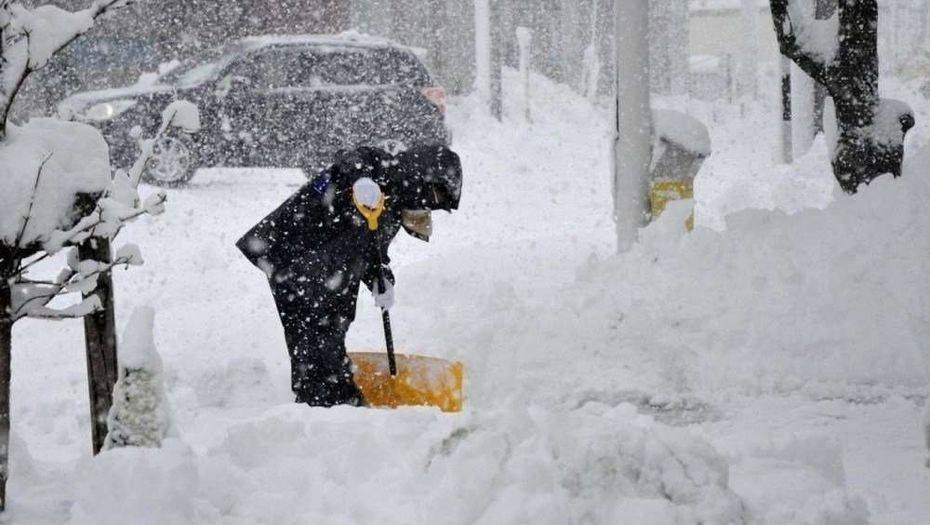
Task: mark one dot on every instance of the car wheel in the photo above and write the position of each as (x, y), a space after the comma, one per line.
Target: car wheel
(172, 163)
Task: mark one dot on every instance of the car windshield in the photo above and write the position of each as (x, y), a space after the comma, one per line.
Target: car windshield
(201, 67)
(333, 66)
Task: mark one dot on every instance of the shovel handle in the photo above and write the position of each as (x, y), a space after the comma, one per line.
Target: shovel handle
(389, 341)
(386, 316)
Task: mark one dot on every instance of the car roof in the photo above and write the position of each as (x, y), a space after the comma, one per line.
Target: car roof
(346, 39)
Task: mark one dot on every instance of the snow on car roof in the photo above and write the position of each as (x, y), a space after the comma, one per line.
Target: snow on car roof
(345, 39)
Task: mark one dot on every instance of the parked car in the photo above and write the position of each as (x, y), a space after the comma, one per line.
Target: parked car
(275, 101)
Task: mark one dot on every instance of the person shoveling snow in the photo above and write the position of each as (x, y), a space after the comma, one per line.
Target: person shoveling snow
(333, 234)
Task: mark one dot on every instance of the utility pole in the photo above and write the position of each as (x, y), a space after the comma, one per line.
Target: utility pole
(823, 10)
(786, 153)
(803, 128)
(633, 135)
(488, 58)
(497, 61)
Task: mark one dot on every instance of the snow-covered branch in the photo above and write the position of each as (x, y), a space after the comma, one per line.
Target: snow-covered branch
(99, 223)
(47, 201)
(30, 37)
(30, 299)
(32, 202)
(810, 43)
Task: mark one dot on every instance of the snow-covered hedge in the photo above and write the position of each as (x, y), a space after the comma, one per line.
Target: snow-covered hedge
(139, 416)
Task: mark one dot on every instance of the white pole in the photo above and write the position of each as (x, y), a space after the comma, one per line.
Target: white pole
(680, 47)
(591, 61)
(802, 112)
(525, 40)
(483, 50)
(633, 139)
(749, 57)
(802, 100)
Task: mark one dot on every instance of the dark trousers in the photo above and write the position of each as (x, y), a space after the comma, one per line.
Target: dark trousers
(316, 316)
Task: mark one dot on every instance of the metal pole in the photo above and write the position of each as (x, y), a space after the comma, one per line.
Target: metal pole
(633, 139)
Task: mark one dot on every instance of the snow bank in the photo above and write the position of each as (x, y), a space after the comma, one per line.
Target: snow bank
(595, 464)
(556, 334)
(797, 480)
(139, 485)
(76, 160)
(778, 301)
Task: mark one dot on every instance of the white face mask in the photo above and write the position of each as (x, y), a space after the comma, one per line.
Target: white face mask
(418, 223)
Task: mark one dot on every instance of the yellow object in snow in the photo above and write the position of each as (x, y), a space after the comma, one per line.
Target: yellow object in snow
(420, 381)
(664, 191)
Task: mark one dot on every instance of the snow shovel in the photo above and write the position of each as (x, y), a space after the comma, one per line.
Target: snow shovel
(392, 380)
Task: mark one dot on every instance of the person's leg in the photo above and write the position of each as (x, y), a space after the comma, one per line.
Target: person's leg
(321, 373)
(315, 329)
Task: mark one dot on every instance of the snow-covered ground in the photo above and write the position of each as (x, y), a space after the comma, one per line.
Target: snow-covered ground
(766, 368)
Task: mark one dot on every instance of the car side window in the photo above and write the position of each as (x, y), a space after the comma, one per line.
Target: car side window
(268, 70)
(353, 67)
(318, 67)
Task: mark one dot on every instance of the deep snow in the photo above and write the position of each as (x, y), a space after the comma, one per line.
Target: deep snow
(772, 372)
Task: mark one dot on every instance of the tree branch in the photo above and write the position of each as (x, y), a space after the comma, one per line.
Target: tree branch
(32, 201)
(96, 10)
(788, 44)
(58, 289)
(75, 234)
(858, 31)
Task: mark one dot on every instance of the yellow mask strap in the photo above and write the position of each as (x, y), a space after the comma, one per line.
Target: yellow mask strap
(371, 215)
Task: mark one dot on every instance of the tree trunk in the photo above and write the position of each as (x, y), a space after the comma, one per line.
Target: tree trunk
(851, 79)
(100, 340)
(6, 347)
(853, 84)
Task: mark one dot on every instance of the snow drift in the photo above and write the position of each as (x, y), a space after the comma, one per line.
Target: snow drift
(531, 465)
(779, 301)
(564, 343)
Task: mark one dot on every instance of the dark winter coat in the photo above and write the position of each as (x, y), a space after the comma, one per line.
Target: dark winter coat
(316, 249)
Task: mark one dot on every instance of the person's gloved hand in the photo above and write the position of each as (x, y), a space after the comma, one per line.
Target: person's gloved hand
(384, 299)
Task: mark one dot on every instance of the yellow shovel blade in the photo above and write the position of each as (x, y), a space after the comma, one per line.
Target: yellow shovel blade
(420, 381)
